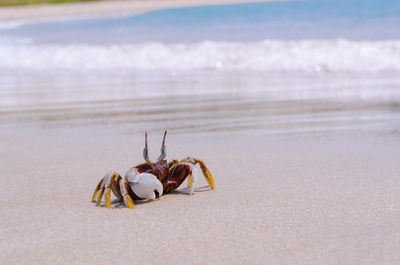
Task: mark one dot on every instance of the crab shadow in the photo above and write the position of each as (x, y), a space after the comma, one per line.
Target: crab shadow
(117, 204)
(186, 191)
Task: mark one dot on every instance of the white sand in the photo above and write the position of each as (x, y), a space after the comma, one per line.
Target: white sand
(279, 200)
(112, 7)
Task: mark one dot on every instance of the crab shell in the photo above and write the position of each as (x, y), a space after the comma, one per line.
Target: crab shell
(144, 185)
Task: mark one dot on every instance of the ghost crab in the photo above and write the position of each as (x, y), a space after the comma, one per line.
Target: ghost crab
(150, 180)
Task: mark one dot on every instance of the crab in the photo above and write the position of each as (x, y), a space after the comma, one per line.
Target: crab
(150, 180)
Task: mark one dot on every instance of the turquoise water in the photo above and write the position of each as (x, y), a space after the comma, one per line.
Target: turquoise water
(302, 19)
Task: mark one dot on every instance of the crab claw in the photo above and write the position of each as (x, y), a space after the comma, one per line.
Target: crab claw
(131, 175)
(145, 185)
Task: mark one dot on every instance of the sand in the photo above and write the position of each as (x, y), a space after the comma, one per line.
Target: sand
(325, 199)
(112, 7)
(305, 198)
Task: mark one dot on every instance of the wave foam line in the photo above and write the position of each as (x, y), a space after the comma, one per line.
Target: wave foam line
(276, 56)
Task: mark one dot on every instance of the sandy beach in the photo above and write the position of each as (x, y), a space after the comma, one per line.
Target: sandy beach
(295, 114)
(279, 200)
(101, 8)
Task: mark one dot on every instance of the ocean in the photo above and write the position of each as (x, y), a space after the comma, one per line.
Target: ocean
(272, 67)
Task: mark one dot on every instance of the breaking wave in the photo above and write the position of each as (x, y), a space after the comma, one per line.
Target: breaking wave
(269, 56)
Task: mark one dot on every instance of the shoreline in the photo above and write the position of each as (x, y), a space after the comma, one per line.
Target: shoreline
(103, 8)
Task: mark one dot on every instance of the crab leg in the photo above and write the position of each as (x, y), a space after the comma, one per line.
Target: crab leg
(206, 173)
(172, 163)
(124, 192)
(177, 175)
(96, 191)
(103, 187)
(190, 182)
(108, 186)
(115, 187)
(189, 177)
(204, 169)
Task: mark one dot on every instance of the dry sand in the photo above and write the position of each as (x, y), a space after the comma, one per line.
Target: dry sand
(279, 200)
(111, 7)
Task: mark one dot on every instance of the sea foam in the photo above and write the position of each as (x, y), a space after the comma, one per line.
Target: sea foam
(269, 56)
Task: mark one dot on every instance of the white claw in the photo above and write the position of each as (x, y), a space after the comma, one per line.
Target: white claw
(144, 185)
(131, 175)
(160, 188)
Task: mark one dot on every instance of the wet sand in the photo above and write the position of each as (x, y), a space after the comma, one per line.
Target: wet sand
(324, 199)
(203, 103)
(96, 8)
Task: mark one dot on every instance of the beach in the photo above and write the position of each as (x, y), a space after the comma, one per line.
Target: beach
(295, 200)
(293, 105)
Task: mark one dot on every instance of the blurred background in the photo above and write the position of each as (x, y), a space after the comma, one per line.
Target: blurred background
(274, 67)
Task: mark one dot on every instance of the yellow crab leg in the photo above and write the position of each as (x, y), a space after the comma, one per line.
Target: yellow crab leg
(108, 192)
(129, 202)
(103, 187)
(189, 177)
(190, 181)
(108, 189)
(127, 199)
(172, 163)
(96, 191)
(100, 196)
(206, 173)
(187, 159)
(108, 198)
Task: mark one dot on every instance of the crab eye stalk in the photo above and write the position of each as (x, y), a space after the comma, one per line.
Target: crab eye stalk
(146, 149)
(163, 151)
